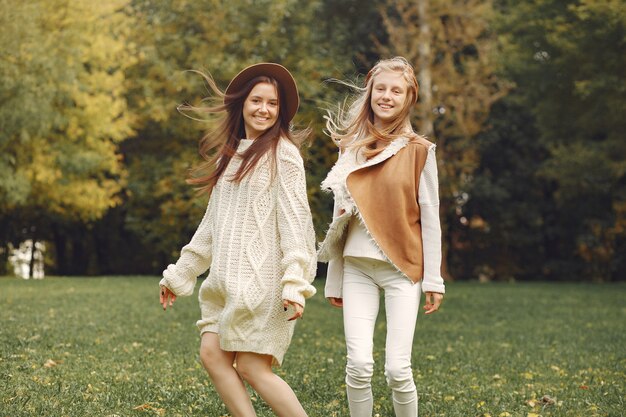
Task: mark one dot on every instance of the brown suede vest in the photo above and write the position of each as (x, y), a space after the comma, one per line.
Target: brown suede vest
(386, 195)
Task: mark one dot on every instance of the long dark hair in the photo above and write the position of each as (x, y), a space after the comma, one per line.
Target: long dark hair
(231, 129)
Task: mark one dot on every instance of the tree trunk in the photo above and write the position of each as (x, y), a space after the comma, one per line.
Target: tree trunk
(60, 250)
(33, 248)
(4, 258)
(426, 114)
(424, 71)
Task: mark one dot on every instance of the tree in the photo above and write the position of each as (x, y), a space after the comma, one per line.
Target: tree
(507, 217)
(63, 113)
(451, 45)
(567, 60)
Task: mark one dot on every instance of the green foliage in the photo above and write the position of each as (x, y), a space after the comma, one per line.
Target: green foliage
(63, 115)
(572, 54)
(63, 110)
(74, 347)
(567, 60)
(508, 228)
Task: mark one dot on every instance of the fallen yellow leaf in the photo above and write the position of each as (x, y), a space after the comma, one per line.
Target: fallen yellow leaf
(148, 407)
(49, 364)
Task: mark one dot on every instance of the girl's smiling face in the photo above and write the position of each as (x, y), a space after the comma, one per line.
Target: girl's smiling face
(389, 91)
(260, 109)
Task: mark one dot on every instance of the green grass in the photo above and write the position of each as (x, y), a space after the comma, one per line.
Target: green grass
(493, 349)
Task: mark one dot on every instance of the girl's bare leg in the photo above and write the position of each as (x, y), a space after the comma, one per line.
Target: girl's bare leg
(227, 382)
(256, 370)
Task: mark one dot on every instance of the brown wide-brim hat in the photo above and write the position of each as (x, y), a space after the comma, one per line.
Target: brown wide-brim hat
(289, 89)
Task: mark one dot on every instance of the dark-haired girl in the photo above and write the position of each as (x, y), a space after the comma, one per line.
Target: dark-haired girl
(256, 239)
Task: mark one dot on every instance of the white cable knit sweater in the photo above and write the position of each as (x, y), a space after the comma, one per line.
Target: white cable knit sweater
(257, 238)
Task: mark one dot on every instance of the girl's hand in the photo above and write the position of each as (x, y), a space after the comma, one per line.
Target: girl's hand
(167, 297)
(298, 309)
(335, 302)
(433, 302)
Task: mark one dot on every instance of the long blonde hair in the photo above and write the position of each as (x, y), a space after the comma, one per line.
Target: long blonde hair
(354, 127)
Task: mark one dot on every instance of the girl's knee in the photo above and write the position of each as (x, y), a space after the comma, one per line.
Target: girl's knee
(205, 357)
(253, 370)
(399, 376)
(359, 371)
(212, 357)
(245, 372)
(361, 365)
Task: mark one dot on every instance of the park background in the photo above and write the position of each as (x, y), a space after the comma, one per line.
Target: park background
(525, 99)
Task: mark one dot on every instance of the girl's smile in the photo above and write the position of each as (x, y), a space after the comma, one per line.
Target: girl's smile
(389, 93)
(260, 110)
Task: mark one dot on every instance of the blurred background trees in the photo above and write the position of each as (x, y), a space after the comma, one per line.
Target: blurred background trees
(525, 100)
(561, 213)
(63, 116)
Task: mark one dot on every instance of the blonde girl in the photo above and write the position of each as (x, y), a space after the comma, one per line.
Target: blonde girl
(385, 234)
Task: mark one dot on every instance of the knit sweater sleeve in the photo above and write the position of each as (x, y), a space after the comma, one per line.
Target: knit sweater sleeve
(334, 273)
(295, 226)
(431, 226)
(195, 258)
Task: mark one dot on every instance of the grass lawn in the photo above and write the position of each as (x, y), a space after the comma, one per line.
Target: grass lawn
(104, 347)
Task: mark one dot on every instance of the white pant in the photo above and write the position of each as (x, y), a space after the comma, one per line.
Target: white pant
(362, 281)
